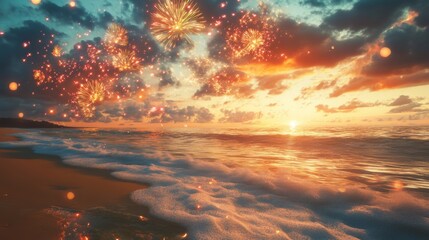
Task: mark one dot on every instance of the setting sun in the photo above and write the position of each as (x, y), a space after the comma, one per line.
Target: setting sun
(293, 124)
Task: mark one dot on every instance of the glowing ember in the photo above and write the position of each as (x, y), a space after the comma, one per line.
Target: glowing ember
(175, 20)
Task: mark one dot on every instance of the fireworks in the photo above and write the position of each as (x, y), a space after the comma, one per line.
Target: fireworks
(39, 76)
(175, 20)
(252, 38)
(116, 35)
(89, 95)
(125, 60)
(57, 51)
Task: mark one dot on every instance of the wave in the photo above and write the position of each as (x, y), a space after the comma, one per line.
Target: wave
(217, 201)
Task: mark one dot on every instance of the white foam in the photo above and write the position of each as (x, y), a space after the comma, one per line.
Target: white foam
(215, 201)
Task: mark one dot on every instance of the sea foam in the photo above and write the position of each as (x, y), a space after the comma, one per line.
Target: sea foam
(216, 201)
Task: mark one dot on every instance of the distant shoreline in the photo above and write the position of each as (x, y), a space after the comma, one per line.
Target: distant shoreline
(25, 123)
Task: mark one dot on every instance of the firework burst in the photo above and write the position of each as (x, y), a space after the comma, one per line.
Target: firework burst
(252, 38)
(89, 95)
(57, 51)
(39, 76)
(125, 60)
(116, 35)
(175, 20)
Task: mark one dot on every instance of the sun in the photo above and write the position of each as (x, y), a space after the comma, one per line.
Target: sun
(293, 124)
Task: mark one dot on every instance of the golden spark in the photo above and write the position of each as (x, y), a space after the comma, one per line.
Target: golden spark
(57, 51)
(39, 76)
(116, 35)
(89, 95)
(175, 20)
(125, 60)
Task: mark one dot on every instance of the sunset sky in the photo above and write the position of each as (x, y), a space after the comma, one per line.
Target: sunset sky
(319, 62)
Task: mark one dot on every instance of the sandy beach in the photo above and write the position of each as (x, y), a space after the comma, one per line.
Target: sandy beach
(41, 198)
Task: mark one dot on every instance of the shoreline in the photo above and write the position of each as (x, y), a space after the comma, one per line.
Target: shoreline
(39, 193)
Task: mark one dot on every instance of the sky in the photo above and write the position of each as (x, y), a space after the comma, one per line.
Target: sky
(271, 62)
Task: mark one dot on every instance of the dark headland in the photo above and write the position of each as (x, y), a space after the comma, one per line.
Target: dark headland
(25, 123)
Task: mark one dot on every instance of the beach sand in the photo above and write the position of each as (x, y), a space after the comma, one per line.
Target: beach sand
(34, 203)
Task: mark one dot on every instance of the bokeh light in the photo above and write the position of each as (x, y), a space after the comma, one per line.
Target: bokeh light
(36, 2)
(385, 52)
(13, 86)
(70, 196)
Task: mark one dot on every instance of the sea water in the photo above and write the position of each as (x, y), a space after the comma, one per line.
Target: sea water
(319, 183)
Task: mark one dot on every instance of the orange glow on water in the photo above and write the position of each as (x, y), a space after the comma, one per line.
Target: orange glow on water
(398, 185)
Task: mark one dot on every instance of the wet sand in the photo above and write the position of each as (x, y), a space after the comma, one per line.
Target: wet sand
(34, 203)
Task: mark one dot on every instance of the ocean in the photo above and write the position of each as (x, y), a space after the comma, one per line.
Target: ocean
(248, 183)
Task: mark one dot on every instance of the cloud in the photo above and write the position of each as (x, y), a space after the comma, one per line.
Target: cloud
(166, 78)
(301, 44)
(370, 16)
(345, 108)
(306, 92)
(37, 36)
(227, 81)
(411, 107)
(410, 53)
(273, 83)
(187, 114)
(380, 83)
(401, 100)
(236, 116)
(69, 15)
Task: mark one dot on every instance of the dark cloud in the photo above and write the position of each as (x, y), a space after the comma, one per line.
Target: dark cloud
(410, 52)
(68, 15)
(37, 36)
(348, 107)
(304, 45)
(236, 116)
(187, 114)
(422, 20)
(380, 83)
(371, 16)
(411, 107)
(227, 81)
(166, 78)
(33, 109)
(401, 100)
(322, 3)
